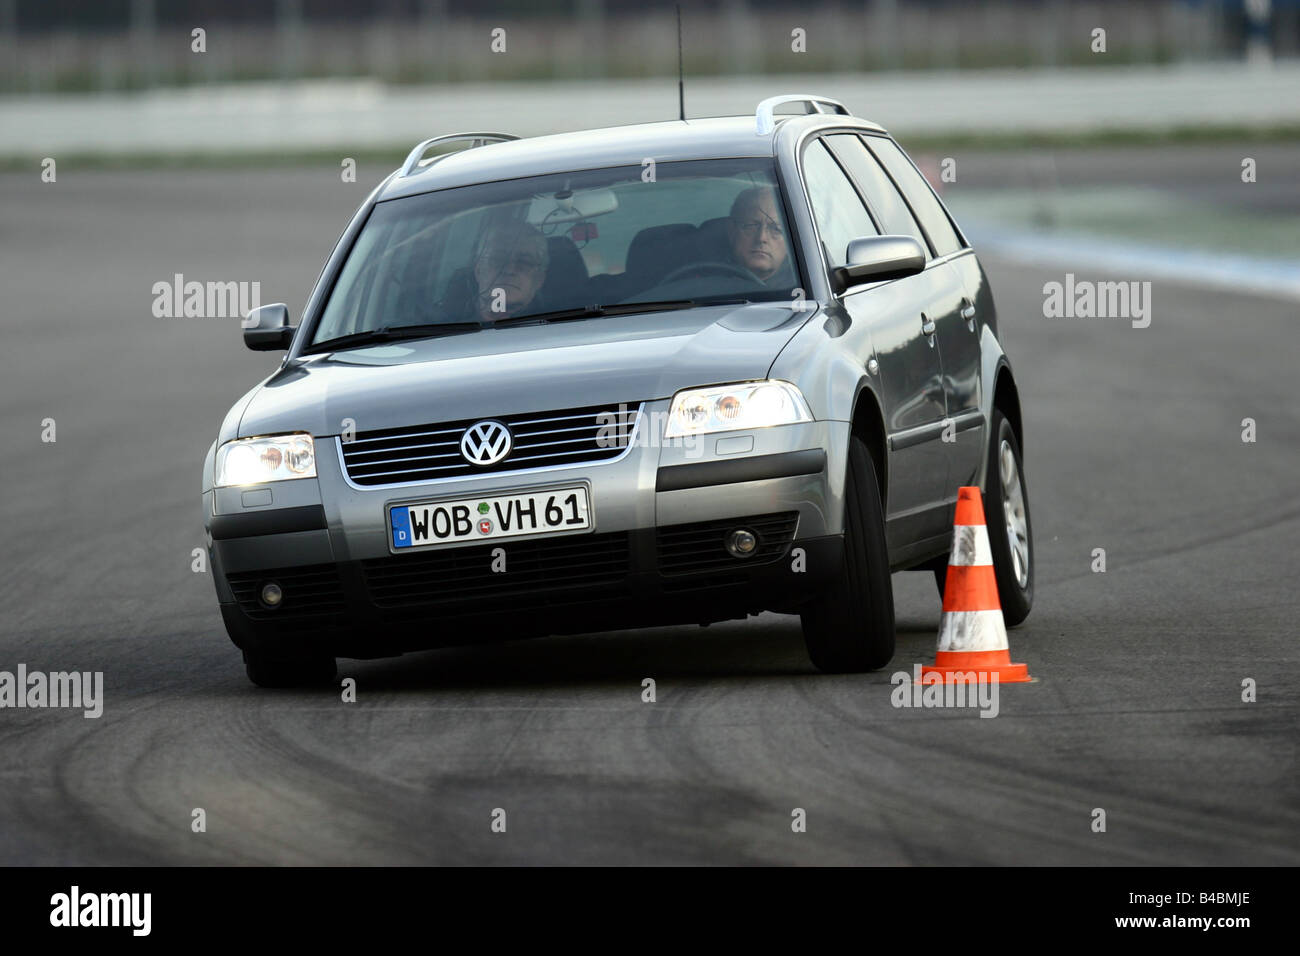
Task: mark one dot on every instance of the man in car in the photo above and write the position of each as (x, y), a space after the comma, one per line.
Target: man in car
(756, 237)
(509, 268)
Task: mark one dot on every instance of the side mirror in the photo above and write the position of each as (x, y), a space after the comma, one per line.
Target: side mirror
(267, 329)
(878, 258)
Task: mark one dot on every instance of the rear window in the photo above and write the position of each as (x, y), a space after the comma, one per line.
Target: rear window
(919, 195)
(701, 230)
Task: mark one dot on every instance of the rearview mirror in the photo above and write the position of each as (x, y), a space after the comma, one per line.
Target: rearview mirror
(267, 329)
(878, 258)
(572, 206)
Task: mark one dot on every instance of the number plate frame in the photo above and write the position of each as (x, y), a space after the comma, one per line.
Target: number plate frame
(491, 498)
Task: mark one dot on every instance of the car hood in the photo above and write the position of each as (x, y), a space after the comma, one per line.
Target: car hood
(521, 369)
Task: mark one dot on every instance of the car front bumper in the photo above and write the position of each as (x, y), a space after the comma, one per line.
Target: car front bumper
(653, 557)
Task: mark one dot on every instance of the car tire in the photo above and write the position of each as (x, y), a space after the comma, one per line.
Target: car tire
(297, 672)
(1006, 510)
(850, 627)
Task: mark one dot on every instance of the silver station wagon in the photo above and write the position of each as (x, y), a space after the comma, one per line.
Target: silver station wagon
(671, 373)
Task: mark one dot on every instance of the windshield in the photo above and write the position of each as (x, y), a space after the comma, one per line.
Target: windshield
(565, 246)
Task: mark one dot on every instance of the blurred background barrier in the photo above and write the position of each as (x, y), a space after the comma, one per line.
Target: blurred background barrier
(320, 115)
(49, 46)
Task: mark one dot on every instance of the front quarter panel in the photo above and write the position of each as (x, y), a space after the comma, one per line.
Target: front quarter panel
(823, 361)
(209, 474)
(230, 424)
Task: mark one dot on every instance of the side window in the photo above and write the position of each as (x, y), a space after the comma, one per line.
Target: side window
(882, 195)
(836, 206)
(918, 192)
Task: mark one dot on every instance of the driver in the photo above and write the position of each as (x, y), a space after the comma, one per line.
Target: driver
(756, 237)
(509, 268)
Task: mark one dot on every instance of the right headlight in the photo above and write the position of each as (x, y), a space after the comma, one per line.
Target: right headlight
(724, 408)
(252, 461)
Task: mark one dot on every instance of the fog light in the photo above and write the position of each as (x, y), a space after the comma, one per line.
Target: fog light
(742, 543)
(271, 594)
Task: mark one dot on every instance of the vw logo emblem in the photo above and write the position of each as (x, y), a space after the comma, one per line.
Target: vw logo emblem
(486, 443)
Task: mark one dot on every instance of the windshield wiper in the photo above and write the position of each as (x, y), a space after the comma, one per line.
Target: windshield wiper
(389, 333)
(598, 311)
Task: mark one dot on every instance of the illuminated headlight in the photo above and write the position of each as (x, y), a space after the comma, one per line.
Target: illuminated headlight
(725, 408)
(251, 461)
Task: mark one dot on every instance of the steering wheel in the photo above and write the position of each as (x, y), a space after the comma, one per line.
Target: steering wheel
(719, 268)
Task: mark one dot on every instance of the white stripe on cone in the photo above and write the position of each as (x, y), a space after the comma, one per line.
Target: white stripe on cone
(970, 545)
(972, 631)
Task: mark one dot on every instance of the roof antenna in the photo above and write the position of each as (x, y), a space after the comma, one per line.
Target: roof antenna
(681, 85)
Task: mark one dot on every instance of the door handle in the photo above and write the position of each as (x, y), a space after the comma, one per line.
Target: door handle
(927, 325)
(967, 309)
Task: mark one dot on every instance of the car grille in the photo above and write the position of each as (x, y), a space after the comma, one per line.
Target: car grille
(538, 573)
(693, 548)
(309, 591)
(540, 439)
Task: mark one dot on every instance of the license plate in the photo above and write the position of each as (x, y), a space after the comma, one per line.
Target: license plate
(428, 523)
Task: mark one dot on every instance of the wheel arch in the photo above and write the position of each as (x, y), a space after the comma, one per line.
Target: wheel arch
(868, 424)
(1006, 399)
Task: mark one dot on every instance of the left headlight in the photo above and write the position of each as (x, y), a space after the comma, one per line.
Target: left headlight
(723, 408)
(251, 461)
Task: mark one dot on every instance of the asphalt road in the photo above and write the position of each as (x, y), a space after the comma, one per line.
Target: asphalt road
(1133, 445)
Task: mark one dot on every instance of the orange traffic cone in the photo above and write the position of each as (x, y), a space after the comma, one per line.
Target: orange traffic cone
(972, 634)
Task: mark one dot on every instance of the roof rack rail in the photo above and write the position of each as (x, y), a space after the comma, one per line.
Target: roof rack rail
(475, 139)
(765, 115)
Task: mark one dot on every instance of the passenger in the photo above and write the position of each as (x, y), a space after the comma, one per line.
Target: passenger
(509, 268)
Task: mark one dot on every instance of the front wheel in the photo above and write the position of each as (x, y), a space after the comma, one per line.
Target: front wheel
(297, 672)
(851, 626)
(1006, 511)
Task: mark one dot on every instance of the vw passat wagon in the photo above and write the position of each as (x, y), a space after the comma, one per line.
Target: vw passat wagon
(671, 373)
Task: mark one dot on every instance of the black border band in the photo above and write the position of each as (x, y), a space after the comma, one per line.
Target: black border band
(706, 474)
(250, 524)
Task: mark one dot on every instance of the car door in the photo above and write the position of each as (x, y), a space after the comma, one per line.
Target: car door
(905, 348)
(957, 324)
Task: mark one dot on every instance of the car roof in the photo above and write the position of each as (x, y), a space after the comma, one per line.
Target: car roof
(720, 137)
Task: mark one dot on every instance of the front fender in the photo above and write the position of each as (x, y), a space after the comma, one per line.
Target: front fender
(822, 360)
